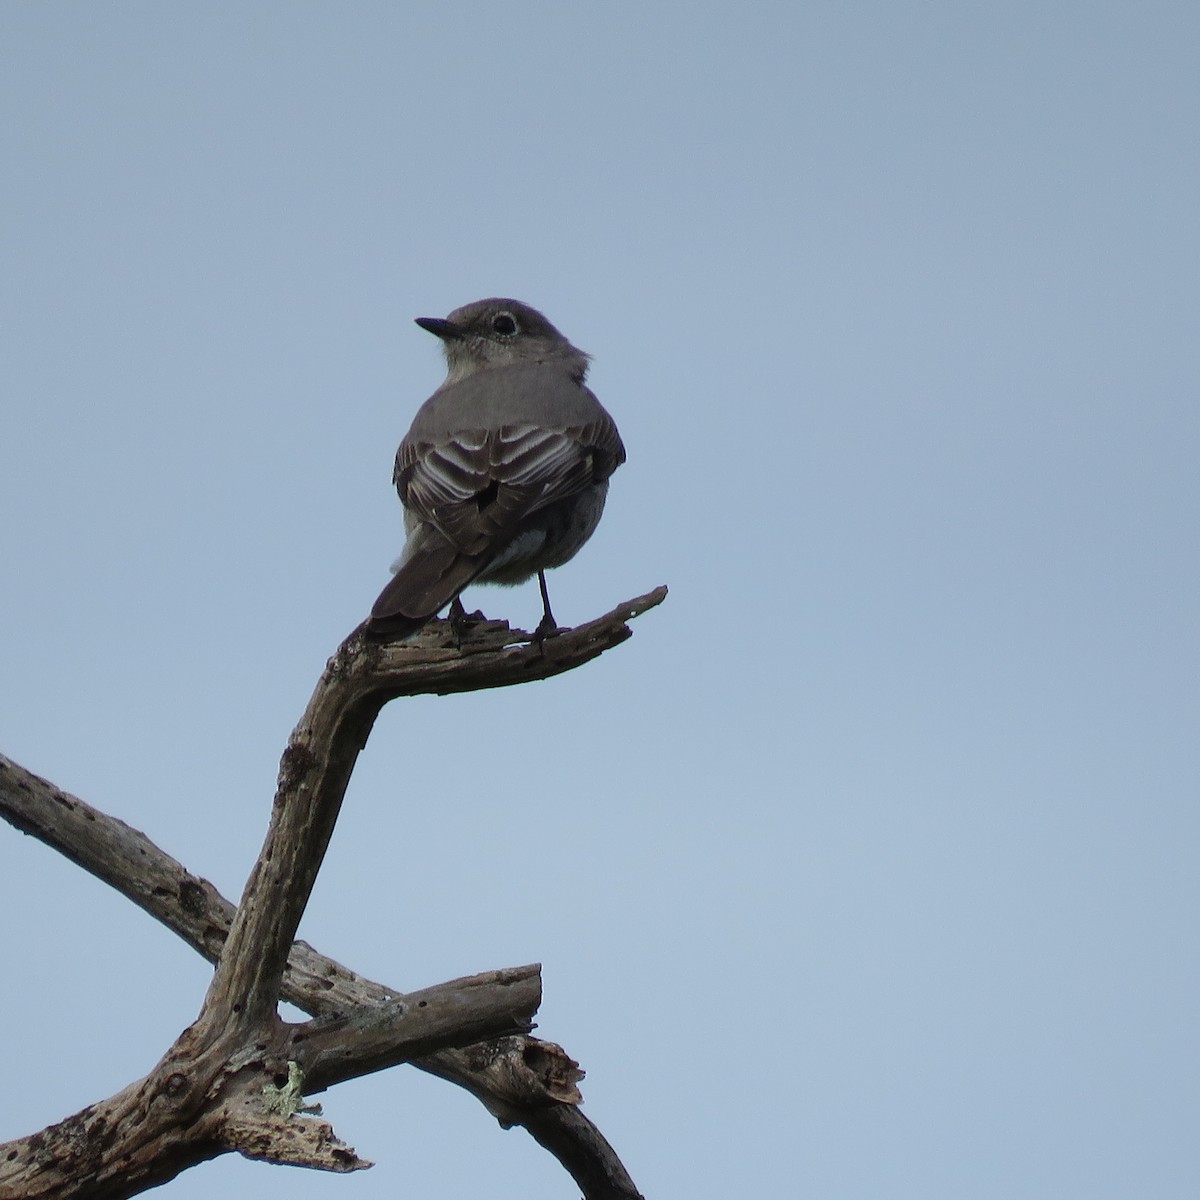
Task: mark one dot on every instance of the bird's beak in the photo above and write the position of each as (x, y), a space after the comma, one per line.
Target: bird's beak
(446, 330)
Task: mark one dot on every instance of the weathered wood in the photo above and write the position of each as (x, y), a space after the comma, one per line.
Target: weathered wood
(217, 1088)
(205, 1087)
(362, 676)
(372, 1037)
(194, 909)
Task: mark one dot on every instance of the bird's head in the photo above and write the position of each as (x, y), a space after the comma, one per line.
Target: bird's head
(500, 333)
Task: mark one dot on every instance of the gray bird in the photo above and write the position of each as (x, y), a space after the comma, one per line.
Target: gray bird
(504, 472)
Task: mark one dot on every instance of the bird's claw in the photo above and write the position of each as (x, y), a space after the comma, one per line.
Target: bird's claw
(462, 622)
(547, 627)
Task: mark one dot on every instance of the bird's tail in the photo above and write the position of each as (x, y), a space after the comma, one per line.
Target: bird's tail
(432, 573)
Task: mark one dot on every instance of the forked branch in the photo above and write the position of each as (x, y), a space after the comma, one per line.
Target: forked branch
(217, 1088)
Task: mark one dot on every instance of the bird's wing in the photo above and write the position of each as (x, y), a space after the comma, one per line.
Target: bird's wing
(476, 486)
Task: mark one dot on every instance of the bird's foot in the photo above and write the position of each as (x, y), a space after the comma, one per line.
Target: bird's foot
(547, 627)
(462, 622)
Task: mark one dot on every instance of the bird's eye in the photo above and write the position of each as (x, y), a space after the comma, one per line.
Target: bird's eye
(504, 324)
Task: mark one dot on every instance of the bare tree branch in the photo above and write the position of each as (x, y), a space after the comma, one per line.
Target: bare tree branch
(209, 1085)
(175, 1116)
(315, 770)
(512, 1078)
(370, 1038)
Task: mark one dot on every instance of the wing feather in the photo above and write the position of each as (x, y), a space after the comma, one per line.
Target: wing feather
(477, 485)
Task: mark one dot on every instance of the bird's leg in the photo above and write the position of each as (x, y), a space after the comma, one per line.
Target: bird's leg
(547, 626)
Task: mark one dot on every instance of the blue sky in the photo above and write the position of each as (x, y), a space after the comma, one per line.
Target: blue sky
(868, 868)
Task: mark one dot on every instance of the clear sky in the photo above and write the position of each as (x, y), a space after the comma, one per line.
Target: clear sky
(869, 867)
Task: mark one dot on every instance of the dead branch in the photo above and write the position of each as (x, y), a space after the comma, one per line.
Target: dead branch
(207, 1096)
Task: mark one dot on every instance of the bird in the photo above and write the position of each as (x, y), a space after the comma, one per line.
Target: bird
(504, 471)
